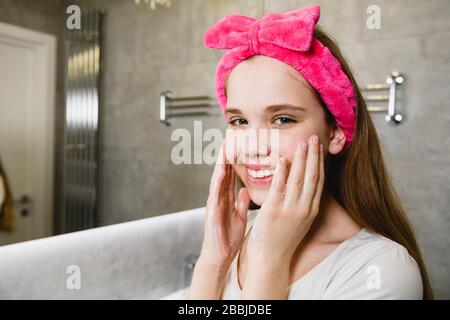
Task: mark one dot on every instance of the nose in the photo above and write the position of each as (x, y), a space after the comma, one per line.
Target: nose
(257, 144)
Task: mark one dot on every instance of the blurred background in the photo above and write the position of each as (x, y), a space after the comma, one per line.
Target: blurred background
(84, 139)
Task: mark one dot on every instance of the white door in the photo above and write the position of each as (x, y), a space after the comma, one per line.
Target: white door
(27, 80)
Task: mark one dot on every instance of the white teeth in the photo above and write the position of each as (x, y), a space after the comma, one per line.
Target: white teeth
(260, 173)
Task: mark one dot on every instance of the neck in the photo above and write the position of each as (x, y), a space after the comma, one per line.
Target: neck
(332, 223)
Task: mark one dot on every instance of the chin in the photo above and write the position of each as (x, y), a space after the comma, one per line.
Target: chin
(258, 188)
(258, 195)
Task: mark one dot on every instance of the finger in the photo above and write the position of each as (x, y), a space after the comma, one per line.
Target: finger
(217, 178)
(214, 192)
(232, 179)
(296, 174)
(225, 185)
(278, 182)
(311, 172)
(319, 189)
(243, 201)
(219, 167)
(240, 212)
(231, 185)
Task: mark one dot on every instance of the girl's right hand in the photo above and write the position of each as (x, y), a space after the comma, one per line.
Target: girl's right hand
(225, 220)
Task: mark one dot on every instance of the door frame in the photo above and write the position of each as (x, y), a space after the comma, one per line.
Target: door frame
(42, 98)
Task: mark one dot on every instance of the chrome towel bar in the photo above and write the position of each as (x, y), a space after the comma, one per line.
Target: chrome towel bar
(171, 107)
(392, 81)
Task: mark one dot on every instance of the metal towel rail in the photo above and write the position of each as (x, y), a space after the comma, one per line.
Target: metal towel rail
(392, 81)
(203, 105)
(171, 107)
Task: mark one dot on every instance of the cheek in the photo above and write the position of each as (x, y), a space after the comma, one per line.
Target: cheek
(289, 139)
(288, 144)
(230, 149)
(240, 171)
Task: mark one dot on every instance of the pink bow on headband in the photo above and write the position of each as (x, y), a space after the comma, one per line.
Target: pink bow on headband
(235, 30)
(287, 37)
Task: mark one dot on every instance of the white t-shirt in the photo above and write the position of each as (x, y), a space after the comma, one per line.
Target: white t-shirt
(365, 266)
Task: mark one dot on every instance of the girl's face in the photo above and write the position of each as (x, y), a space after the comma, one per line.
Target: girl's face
(265, 93)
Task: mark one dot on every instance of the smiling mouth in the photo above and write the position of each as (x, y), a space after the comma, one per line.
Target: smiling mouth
(260, 174)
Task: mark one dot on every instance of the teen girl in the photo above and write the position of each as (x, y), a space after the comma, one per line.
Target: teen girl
(328, 223)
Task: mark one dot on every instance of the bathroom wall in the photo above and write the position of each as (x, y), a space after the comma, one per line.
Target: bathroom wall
(146, 51)
(44, 16)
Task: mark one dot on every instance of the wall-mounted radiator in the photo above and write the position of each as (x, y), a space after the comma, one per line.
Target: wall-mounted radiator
(80, 176)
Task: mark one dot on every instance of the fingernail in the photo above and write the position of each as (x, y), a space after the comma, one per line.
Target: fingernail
(313, 139)
(304, 145)
(321, 147)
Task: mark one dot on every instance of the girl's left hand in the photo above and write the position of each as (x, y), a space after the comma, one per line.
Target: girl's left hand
(287, 214)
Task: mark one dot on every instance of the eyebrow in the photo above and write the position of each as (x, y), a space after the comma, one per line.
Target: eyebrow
(272, 108)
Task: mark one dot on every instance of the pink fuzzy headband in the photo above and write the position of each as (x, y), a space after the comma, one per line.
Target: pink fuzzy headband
(287, 37)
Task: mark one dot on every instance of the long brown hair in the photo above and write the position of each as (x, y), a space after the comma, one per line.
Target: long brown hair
(6, 208)
(358, 179)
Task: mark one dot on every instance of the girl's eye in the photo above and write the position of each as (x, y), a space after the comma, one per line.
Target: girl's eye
(238, 122)
(283, 120)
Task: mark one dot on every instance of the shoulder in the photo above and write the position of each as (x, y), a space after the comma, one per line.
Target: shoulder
(375, 267)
